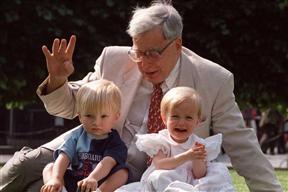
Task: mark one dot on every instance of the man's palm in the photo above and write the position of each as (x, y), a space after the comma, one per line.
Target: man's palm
(59, 61)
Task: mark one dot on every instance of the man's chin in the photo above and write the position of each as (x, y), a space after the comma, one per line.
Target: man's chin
(153, 80)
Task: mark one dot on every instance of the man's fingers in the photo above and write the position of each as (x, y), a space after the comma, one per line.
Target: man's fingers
(71, 46)
(87, 189)
(42, 188)
(55, 46)
(78, 189)
(46, 51)
(62, 47)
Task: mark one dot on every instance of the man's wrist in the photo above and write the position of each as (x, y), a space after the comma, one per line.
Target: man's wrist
(54, 83)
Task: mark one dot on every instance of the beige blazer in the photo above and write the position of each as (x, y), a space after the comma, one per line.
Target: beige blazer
(215, 85)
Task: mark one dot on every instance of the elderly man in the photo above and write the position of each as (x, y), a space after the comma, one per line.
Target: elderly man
(156, 57)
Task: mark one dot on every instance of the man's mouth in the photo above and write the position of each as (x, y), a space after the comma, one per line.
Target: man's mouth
(151, 73)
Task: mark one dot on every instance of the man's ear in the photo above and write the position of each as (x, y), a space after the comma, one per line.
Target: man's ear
(179, 45)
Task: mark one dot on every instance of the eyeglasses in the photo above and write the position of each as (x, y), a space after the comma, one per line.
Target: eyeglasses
(152, 55)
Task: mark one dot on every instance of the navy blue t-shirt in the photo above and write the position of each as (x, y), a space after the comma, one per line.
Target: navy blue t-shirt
(85, 152)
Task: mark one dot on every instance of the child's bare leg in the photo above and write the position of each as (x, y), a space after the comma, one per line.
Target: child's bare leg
(47, 172)
(115, 181)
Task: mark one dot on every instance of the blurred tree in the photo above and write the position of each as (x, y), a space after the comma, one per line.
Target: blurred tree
(247, 37)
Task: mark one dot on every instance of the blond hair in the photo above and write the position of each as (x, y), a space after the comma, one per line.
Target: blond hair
(176, 96)
(98, 97)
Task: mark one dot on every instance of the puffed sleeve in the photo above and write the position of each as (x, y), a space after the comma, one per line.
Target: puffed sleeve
(152, 143)
(213, 146)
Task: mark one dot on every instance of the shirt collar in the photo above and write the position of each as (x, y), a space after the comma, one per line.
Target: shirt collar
(170, 81)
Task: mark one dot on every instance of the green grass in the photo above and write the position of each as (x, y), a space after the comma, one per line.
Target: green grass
(240, 185)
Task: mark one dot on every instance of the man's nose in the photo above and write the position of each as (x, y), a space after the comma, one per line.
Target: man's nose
(145, 62)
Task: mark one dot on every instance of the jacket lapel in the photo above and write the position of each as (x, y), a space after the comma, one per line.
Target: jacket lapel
(186, 73)
(131, 80)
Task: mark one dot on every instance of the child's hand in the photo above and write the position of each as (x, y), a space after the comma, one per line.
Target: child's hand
(53, 185)
(199, 145)
(198, 151)
(87, 184)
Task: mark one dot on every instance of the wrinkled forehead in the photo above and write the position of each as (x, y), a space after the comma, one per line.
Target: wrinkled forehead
(149, 39)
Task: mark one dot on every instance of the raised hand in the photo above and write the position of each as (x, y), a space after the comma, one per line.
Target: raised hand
(59, 61)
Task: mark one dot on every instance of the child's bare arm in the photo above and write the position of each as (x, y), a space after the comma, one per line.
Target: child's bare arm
(199, 166)
(102, 169)
(161, 161)
(60, 166)
(197, 154)
(56, 182)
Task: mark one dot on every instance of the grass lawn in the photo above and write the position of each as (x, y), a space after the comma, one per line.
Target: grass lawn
(240, 185)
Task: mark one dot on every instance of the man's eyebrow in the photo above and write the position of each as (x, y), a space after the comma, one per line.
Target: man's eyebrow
(152, 49)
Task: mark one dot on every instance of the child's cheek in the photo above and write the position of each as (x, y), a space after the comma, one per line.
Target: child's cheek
(172, 123)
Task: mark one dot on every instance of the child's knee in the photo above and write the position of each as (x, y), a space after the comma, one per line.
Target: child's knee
(115, 180)
(48, 168)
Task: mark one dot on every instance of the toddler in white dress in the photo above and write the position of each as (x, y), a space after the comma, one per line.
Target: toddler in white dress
(181, 161)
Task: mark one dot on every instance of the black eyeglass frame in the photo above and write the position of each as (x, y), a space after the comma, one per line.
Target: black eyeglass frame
(149, 54)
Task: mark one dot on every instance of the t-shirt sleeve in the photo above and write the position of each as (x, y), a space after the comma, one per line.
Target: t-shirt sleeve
(116, 149)
(68, 146)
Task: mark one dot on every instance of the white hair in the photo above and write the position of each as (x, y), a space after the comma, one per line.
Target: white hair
(159, 13)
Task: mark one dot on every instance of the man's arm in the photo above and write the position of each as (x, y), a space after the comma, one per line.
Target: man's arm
(61, 102)
(57, 94)
(241, 143)
(60, 66)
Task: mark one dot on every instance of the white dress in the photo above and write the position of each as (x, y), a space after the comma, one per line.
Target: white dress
(180, 179)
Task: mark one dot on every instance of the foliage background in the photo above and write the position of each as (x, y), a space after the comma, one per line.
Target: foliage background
(249, 38)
